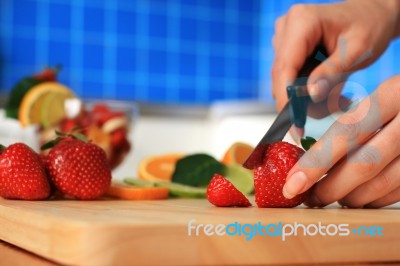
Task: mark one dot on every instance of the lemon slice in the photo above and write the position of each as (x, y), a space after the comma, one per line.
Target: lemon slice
(44, 104)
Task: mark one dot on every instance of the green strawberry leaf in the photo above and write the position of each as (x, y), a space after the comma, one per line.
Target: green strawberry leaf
(51, 143)
(2, 148)
(307, 142)
(80, 137)
(196, 170)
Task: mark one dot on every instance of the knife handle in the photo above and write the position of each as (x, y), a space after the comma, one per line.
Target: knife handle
(297, 92)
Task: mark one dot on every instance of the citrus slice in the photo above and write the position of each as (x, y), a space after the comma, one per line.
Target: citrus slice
(122, 191)
(175, 189)
(44, 104)
(183, 191)
(237, 153)
(159, 167)
(240, 177)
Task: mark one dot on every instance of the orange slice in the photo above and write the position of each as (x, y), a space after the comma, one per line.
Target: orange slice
(237, 153)
(159, 167)
(126, 192)
(44, 104)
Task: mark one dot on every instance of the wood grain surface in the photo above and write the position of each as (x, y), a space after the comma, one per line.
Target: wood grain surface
(114, 232)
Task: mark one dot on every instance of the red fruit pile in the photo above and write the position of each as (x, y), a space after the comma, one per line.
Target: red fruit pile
(269, 178)
(106, 128)
(74, 167)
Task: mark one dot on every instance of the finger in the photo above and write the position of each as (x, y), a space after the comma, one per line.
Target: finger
(323, 109)
(300, 37)
(362, 165)
(279, 29)
(336, 68)
(387, 200)
(347, 133)
(385, 182)
(296, 133)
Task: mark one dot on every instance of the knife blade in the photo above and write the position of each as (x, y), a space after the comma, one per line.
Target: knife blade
(294, 112)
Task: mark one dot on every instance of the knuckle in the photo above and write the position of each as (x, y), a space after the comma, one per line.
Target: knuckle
(277, 68)
(312, 159)
(300, 11)
(348, 125)
(381, 183)
(369, 155)
(279, 23)
(327, 196)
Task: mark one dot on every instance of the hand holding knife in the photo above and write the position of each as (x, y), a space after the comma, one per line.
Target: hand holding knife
(294, 112)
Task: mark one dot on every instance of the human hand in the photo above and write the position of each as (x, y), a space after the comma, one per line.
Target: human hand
(360, 155)
(355, 33)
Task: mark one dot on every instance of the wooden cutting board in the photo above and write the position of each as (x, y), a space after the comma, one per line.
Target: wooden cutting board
(113, 232)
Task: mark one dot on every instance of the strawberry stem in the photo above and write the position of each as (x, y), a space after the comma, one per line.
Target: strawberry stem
(307, 142)
(61, 135)
(2, 148)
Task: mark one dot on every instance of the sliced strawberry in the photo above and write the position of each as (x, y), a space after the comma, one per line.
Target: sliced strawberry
(223, 193)
(270, 176)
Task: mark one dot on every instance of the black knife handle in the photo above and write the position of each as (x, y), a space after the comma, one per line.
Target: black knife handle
(297, 92)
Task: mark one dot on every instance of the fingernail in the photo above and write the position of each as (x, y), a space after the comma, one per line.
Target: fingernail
(318, 90)
(295, 184)
(295, 134)
(300, 131)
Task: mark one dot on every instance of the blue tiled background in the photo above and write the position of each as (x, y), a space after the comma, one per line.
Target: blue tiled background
(176, 51)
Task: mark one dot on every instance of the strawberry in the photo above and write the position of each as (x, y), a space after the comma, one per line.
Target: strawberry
(78, 168)
(223, 193)
(270, 176)
(48, 74)
(22, 174)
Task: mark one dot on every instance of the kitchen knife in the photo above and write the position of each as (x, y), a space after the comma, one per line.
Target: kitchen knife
(294, 112)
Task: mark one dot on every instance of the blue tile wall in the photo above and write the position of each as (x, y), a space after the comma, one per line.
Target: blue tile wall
(177, 51)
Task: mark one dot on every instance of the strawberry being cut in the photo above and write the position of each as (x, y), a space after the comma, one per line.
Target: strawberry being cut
(22, 174)
(78, 168)
(223, 193)
(270, 176)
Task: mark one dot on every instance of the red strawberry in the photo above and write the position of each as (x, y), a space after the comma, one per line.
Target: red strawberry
(22, 174)
(48, 74)
(270, 176)
(223, 193)
(79, 169)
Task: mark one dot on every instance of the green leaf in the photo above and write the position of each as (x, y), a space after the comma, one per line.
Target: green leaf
(307, 142)
(2, 148)
(17, 93)
(80, 137)
(60, 133)
(196, 170)
(51, 144)
(76, 128)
